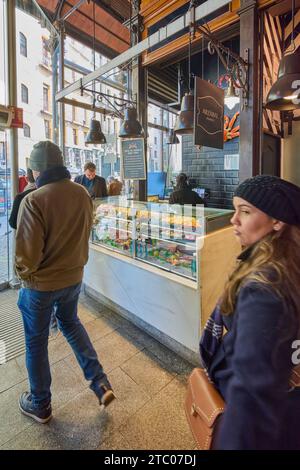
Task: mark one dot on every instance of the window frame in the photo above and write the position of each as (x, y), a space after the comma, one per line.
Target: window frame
(23, 44)
(24, 93)
(26, 128)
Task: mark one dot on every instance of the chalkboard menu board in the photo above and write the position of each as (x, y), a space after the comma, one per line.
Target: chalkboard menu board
(133, 159)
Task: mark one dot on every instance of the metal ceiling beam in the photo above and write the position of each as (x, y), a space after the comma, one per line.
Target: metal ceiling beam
(162, 34)
(74, 8)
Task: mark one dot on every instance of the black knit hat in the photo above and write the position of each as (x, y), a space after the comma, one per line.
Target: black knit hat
(274, 196)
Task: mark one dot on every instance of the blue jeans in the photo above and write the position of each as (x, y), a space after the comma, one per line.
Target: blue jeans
(36, 308)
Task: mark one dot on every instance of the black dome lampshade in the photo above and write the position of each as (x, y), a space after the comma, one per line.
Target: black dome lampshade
(130, 127)
(185, 120)
(285, 94)
(172, 138)
(95, 134)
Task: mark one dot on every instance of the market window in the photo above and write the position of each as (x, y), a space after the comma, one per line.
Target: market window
(24, 93)
(45, 97)
(26, 130)
(47, 129)
(23, 44)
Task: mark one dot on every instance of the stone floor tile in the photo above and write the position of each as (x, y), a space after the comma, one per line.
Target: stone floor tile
(174, 363)
(58, 349)
(85, 314)
(113, 350)
(65, 384)
(80, 424)
(12, 421)
(134, 332)
(116, 441)
(148, 372)
(98, 328)
(161, 424)
(11, 374)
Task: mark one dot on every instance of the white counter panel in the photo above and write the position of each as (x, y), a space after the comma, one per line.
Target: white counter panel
(169, 305)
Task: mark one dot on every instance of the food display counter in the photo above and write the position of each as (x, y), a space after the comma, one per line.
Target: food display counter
(146, 262)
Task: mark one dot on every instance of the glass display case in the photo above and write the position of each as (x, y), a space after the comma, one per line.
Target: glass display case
(163, 235)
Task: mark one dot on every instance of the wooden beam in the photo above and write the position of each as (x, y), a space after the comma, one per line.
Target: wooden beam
(289, 27)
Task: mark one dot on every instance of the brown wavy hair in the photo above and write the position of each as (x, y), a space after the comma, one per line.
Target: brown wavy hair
(273, 262)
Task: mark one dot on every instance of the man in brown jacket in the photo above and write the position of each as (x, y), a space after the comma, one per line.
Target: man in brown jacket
(52, 239)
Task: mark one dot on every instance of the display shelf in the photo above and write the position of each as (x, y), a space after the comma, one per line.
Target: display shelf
(159, 235)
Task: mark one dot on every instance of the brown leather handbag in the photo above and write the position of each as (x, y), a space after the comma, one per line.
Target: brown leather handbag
(204, 406)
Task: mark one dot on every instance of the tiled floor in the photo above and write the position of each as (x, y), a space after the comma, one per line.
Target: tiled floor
(148, 379)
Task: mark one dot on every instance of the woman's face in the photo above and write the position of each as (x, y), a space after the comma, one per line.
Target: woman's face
(251, 224)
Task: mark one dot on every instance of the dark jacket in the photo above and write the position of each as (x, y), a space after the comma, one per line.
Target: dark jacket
(251, 369)
(15, 208)
(99, 187)
(185, 196)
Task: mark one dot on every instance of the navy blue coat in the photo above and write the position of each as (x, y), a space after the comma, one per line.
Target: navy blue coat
(251, 369)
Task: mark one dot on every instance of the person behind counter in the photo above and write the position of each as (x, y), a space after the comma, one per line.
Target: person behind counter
(114, 186)
(95, 185)
(183, 193)
(260, 311)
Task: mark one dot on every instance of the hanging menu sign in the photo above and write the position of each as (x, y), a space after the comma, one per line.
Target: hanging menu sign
(209, 114)
(133, 159)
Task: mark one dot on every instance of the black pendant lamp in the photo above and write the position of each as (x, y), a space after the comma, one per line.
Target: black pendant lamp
(172, 138)
(284, 94)
(95, 134)
(185, 119)
(130, 127)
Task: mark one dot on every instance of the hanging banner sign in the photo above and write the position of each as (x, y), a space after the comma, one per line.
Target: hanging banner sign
(209, 114)
(17, 120)
(133, 159)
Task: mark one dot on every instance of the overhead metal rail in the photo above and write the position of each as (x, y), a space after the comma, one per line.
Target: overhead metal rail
(162, 34)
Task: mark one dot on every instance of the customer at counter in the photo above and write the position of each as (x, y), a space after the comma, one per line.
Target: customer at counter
(114, 186)
(183, 193)
(94, 184)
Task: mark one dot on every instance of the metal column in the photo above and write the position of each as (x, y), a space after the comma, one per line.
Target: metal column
(11, 83)
(61, 80)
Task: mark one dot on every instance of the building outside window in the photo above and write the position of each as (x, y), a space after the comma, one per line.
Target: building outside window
(47, 129)
(45, 97)
(74, 114)
(24, 93)
(46, 59)
(26, 130)
(84, 137)
(23, 44)
(155, 140)
(75, 137)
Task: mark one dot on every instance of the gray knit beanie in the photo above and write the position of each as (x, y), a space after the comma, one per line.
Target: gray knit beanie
(45, 155)
(274, 196)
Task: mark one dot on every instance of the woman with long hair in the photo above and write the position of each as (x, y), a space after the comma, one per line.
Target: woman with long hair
(248, 345)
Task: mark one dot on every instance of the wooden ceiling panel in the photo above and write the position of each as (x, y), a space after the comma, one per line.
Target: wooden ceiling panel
(109, 32)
